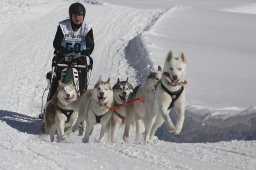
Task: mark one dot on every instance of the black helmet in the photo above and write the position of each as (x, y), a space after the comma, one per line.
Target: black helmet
(76, 8)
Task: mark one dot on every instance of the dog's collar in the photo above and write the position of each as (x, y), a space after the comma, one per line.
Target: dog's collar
(102, 104)
(67, 113)
(174, 95)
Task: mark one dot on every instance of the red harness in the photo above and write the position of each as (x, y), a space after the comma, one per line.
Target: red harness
(141, 99)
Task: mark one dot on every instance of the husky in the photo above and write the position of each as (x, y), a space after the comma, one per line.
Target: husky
(136, 111)
(169, 93)
(61, 111)
(93, 106)
(122, 95)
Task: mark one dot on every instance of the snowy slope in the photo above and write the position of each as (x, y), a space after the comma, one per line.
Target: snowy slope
(218, 40)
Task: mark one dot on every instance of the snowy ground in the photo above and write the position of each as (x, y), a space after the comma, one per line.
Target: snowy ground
(218, 39)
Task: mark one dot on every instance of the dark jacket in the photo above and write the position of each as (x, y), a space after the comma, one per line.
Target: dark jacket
(88, 39)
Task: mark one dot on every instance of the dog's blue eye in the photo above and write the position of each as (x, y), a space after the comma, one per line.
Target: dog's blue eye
(179, 69)
(98, 88)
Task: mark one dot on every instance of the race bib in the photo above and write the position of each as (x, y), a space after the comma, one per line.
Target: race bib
(73, 46)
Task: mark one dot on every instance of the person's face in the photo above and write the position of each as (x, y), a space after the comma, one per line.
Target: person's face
(77, 18)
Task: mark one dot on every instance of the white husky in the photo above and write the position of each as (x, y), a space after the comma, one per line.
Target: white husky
(136, 111)
(93, 106)
(122, 95)
(169, 93)
(61, 111)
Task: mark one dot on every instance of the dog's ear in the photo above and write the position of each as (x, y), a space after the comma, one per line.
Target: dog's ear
(182, 56)
(99, 78)
(108, 80)
(159, 68)
(118, 80)
(60, 83)
(71, 83)
(127, 79)
(169, 56)
(149, 68)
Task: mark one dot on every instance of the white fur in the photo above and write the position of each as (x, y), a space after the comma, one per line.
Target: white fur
(157, 103)
(90, 105)
(136, 112)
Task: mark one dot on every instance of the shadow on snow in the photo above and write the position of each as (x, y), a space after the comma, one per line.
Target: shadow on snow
(20, 122)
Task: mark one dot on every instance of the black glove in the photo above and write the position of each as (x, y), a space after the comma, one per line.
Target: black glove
(85, 52)
(64, 50)
(56, 59)
(90, 66)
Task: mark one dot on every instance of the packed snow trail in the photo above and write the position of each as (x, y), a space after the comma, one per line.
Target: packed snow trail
(164, 155)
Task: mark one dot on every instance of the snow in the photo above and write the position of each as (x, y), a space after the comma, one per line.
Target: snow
(217, 38)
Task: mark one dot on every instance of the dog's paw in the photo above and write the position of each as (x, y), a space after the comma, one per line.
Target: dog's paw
(171, 129)
(63, 138)
(98, 140)
(147, 142)
(177, 131)
(80, 131)
(85, 140)
(154, 140)
(126, 140)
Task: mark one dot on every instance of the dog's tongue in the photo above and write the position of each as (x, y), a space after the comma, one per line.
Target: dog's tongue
(174, 82)
(70, 97)
(100, 100)
(125, 98)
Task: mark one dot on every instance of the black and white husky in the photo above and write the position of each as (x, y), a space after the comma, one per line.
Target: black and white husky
(136, 111)
(122, 95)
(169, 93)
(61, 111)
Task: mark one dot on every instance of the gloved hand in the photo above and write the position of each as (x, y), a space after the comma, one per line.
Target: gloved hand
(85, 52)
(56, 59)
(64, 50)
(90, 66)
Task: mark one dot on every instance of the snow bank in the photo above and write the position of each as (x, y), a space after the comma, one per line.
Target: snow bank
(213, 125)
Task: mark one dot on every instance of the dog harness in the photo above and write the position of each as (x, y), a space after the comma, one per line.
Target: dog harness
(67, 113)
(174, 95)
(120, 116)
(98, 118)
(136, 90)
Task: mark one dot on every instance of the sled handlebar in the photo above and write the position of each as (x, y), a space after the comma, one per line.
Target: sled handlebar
(70, 61)
(73, 65)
